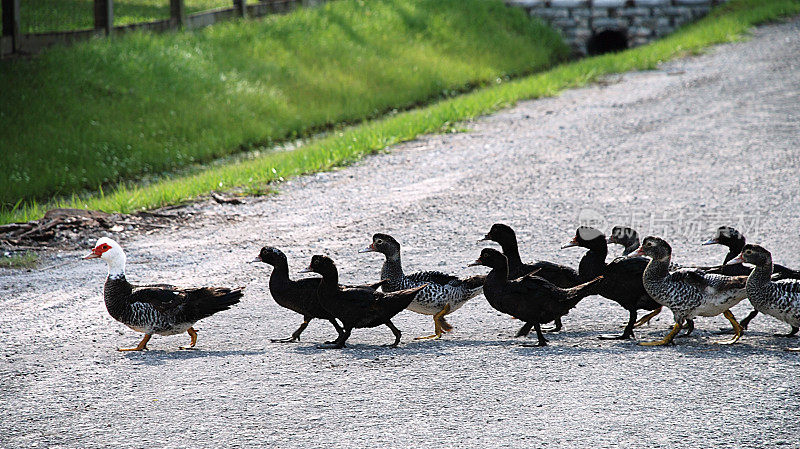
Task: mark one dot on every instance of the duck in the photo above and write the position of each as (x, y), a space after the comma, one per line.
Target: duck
(298, 296)
(357, 307)
(530, 298)
(688, 293)
(156, 309)
(443, 294)
(735, 242)
(622, 278)
(779, 299)
(560, 275)
(629, 239)
(625, 236)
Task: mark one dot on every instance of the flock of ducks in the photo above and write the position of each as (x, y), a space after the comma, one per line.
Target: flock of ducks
(644, 278)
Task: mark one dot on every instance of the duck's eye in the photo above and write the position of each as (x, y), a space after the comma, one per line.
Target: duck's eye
(379, 241)
(748, 252)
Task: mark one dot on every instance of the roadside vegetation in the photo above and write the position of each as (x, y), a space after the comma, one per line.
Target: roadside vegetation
(41, 16)
(144, 104)
(253, 173)
(23, 260)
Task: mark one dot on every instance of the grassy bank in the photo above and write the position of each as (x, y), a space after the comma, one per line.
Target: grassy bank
(39, 16)
(143, 104)
(725, 24)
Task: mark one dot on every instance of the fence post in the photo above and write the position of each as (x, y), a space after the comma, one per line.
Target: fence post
(104, 15)
(241, 9)
(177, 13)
(11, 23)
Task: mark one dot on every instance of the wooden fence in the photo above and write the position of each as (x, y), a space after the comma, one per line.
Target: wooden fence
(13, 42)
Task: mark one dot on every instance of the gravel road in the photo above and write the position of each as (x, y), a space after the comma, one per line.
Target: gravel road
(678, 151)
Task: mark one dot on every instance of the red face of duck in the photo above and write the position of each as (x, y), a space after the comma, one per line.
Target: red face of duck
(98, 251)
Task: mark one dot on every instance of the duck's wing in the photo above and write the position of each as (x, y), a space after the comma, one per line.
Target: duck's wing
(532, 285)
(702, 280)
(432, 277)
(558, 274)
(163, 298)
(192, 304)
(373, 286)
(782, 272)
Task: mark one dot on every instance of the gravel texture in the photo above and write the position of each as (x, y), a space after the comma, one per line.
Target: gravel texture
(701, 142)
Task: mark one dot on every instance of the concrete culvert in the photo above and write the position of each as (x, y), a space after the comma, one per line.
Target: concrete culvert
(607, 41)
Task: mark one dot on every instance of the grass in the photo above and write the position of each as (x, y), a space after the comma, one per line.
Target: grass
(727, 23)
(102, 111)
(39, 16)
(23, 260)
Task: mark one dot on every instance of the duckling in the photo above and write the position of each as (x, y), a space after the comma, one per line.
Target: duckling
(622, 278)
(779, 299)
(358, 307)
(688, 293)
(735, 241)
(443, 295)
(156, 309)
(298, 296)
(530, 298)
(560, 275)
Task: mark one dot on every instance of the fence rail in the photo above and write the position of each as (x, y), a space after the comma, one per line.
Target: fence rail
(13, 42)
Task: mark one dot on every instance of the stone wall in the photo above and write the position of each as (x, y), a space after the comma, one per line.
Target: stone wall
(641, 21)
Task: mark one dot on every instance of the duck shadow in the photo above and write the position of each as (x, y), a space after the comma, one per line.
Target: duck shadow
(699, 345)
(429, 347)
(162, 356)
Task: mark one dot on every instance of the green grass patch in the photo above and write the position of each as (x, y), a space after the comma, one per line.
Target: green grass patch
(725, 24)
(142, 104)
(41, 16)
(23, 260)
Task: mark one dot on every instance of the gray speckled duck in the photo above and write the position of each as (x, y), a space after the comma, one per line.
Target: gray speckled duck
(156, 309)
(688, 293)
(444, 294)
(779, 299)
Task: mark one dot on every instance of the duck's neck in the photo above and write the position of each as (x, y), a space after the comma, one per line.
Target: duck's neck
(511, 251)
(760, 276)
(495, 281)
(593, 263)
(392, 269)
(734, 250)
(279, 279)
(330, 282)
(116, 294)
(116, 267)
(656, 270)
(634, 245)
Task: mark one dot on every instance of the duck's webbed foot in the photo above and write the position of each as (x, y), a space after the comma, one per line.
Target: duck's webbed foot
(192, 339)
(667, 340)
(141, 347)
(738, 331)
(438, 324)
(295, 336)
